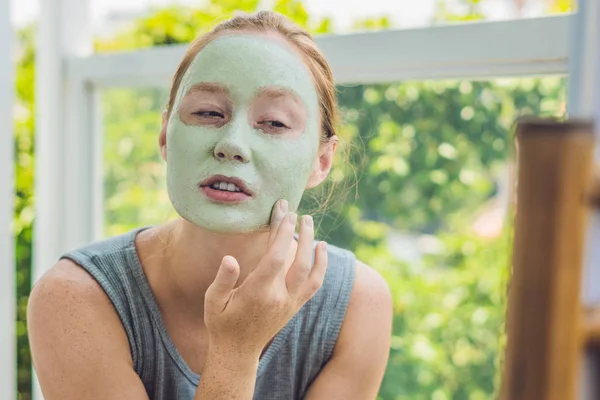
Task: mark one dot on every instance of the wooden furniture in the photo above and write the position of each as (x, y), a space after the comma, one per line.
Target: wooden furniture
(549, 331)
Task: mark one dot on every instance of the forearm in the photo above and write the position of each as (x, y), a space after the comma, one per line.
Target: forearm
(228, 376)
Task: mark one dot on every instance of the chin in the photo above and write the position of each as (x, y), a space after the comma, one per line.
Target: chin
(227, 226)
(224, 219)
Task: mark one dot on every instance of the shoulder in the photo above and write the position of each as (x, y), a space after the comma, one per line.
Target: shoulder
(366, 284)
(65, 281)
(75, 277)
(368, 320)
(109, 264)
(371, 296)
(67, 294)
(76, 336)
(68, 312)
(85, 287)
(362, 289)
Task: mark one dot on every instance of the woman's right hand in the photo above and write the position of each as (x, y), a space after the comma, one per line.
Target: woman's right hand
(244, 319)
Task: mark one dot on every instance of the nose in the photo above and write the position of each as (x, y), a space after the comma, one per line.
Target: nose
(230, 152)
(232, 147)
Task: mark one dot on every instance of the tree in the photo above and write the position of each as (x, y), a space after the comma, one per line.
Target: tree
(561, 6)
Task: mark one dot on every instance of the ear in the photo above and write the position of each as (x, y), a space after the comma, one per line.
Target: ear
(323, 162)
(162, 138)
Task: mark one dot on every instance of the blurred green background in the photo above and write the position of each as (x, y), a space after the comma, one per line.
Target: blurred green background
(427, 200)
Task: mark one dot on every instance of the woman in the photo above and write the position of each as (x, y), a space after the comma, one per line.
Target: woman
(228, 292)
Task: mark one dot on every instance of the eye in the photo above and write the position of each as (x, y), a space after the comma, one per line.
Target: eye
(273, 126)
(276, 124)
(209, 114)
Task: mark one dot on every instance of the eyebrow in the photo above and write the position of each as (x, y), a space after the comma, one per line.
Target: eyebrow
(209, 87)
(275, 92)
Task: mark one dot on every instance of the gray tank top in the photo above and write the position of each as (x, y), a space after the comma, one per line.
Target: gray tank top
(286, 369)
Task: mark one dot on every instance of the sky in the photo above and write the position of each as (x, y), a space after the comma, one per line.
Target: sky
(405, 13)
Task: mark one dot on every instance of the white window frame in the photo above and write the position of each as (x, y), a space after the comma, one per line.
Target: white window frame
(537, 46)
(68, 139)
(7, 197)
(63, 173)
(584, 102)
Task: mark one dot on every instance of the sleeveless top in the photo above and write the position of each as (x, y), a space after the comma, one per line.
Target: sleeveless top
(286, 369)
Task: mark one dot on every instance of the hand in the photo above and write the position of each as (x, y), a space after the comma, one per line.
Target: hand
(244, 319)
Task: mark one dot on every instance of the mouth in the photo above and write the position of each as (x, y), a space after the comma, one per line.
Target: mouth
(226, 183)
(225, 187)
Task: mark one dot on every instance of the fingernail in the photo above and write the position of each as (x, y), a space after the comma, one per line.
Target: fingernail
(323, 245)
(293, 217)
(283, 206)
(308, 220)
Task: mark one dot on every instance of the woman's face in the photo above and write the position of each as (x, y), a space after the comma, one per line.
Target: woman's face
(246, 109)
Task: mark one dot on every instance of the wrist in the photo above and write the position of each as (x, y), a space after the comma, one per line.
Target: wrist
(233, 358)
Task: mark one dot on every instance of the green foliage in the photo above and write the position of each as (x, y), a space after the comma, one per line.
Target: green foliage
(471, 12)
(434, 149)
(174, 25)
(24, 202)
(428, 156)
(448, 322)
(293, 9)
(562, 6)
(369, 24)
(133, 195)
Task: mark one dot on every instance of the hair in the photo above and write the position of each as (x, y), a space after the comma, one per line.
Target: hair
(271, 22)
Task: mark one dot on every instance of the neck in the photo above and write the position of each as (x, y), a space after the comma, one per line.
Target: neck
(191, 256)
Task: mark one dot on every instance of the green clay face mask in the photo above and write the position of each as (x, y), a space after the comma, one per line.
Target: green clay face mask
(254, 118)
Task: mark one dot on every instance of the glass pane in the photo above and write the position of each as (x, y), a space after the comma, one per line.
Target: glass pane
(428, 212)
(134, 173)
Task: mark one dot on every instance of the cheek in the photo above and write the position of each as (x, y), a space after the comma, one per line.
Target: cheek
(189, 143)
(288, 163)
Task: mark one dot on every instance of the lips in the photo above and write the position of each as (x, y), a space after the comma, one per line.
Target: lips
(227, 179)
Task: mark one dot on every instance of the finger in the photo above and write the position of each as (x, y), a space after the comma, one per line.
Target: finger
(279, 211)
(274, 261)
(315, 279)
(300, 268)
(227, 275)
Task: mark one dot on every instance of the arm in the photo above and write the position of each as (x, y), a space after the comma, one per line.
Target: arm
(78, 345)
(228, 375)
(359, 359)
(80, 349)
